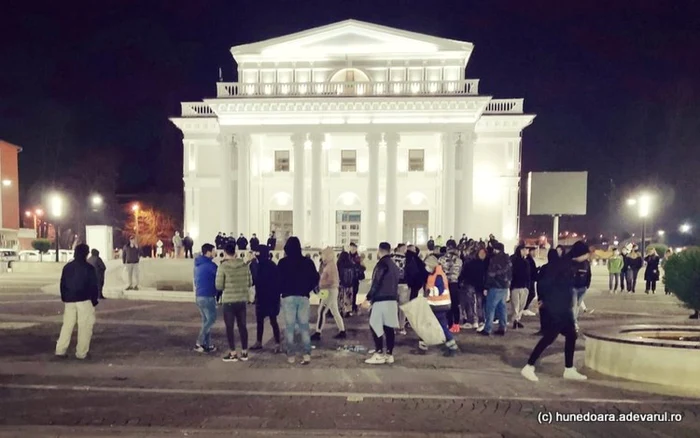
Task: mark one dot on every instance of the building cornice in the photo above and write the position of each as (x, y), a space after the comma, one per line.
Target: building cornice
(503, 123)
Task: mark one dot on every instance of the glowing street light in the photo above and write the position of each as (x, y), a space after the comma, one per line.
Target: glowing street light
(96, 201)
(685, 228)
(661, 233)
(643, 203)
(56, 212)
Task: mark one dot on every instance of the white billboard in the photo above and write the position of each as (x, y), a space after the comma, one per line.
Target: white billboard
(557, 193)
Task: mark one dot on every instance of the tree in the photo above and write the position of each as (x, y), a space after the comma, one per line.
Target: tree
(41, 245)
(682, 277)
(659, 247)
(152, 225)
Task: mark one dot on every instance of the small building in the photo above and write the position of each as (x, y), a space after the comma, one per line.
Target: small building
(9, 195)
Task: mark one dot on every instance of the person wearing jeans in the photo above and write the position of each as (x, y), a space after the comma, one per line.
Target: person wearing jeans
(472, 277)
(615, 263)
(582, 281)
(79, 293)
(635, 265)
(499, 274)
(298, 276)
(438, 295)
(205, 296)
(130, 259)
(233, 279)
(328, 284)
(452, 265)
(520, 284)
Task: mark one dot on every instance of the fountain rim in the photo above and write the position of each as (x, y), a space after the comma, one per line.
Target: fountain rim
(623, 335)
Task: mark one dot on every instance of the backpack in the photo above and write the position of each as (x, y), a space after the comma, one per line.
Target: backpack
(400, 263)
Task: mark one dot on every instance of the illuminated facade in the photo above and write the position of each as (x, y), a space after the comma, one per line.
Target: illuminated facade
(352, 131)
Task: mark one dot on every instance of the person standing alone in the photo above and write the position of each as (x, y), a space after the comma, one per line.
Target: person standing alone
(130, 257)
(205, 293)
(177, 244)
(188, 243)
(79, 291)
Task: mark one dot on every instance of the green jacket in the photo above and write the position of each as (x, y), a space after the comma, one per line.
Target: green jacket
(233, 280)
(615, 264)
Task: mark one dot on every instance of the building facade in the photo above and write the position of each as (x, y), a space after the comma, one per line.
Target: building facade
(352, 132)
(9, 195)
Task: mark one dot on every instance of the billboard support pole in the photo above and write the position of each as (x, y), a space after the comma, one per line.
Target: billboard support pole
(555, 231)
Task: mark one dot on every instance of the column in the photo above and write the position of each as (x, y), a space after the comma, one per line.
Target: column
(316, 189)
(299, 212)
(243, 148)
(466, 141)
(448, 187)
(372, 219)
(226, 208)
(391, 202)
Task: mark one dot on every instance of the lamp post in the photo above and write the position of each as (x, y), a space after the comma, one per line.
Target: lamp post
(36, 214)
(96, 201)
(643, 203)
(685, 228)
(56, 210)
(135, 208)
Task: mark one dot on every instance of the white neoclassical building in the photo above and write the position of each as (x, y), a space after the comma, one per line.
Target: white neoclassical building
(352, 132)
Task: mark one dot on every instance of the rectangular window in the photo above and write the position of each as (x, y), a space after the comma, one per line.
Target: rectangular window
(281, 161)
(416, 160)
(348, 161)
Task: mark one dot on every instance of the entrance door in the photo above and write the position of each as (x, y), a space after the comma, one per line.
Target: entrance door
(347, 227)
(281, 222)
(415, 226)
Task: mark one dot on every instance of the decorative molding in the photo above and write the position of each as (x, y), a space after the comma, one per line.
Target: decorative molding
(501, 123)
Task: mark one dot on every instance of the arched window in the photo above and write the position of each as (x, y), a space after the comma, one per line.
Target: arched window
(350, 82)
(350, 75)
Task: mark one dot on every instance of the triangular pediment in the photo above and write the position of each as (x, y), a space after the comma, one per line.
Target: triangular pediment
(351, 37)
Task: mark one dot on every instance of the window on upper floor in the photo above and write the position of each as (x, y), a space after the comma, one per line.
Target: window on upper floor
(348, 161)
(416, 160)
(281, 161)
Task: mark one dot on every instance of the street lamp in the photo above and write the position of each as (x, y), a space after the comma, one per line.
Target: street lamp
(35, 214)
(685, 228)
(661, 233)
(135, 208)
(96, 201)
(643, 204)
(56, 212)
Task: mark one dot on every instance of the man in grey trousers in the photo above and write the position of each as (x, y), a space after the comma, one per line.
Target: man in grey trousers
(130, 258)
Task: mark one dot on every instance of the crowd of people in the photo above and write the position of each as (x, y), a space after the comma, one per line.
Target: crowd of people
(468, 285)
(624, 267)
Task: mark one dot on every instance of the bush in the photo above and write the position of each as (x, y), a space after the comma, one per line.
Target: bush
(683, 277)
(41, 245)
(659, 247)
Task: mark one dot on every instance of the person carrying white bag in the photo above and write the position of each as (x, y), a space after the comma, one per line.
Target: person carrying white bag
(432, 327)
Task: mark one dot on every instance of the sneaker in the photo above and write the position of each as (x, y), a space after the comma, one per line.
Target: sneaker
(277, 349)
(135, 288)
(528, 312)
(129, 288)
(291, 360)
(244, 356)
(376, 359)
(500, 332)
(199, 349)
(306, 359)
(230, 357)
(210, 349)
(467, 326)
(590, 311)
(389, 358)
(483, 332)
(519, 324)
(573, 374)
(341, 335)
(403, 332)
(422, 346)
(257, 346)
(480, 327)
(61, 356)
(528, 372)
(316, 336)
(372, 351)
(693, 316)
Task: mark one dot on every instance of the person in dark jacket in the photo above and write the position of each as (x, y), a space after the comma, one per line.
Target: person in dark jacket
(219, 240)
(254, 243)
(520, 284)
(242, 243)
(625, 268)
(348, 276)
(299, 277)
(267, 297)
(188, 243)
(272, 241)
(499, 274)
(205, 296)
(431, 244)
(100, 269)
(414, 271)
(557, 297)
(360, 268)
(634, 262)
(131, 253)
(383, 295)
(552, 256)
(582, 276)
(472, 280)
(651, 273)
(79, 293)
(532, 292)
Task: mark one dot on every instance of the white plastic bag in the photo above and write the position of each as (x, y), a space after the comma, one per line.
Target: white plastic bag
(423, 321)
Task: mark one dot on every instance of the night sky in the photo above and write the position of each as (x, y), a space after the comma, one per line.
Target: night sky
(616, 87)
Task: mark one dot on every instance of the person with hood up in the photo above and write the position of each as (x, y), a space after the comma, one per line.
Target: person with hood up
(437, 292)
(615, 263)
(347, 274)
(499, 274)
(520, 284)
(299, 277)
(205, 296)
(557, 297)
(452, 266)
(383, 297)
(233, 279)
(582, 277)
(634, 263)
(329, 281)
(472, 280)
(100, 269)
(552, 256)
(267, 298)
(651, 273)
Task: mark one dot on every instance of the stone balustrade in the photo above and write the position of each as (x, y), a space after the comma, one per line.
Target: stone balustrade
(196, 109)
(505, 106)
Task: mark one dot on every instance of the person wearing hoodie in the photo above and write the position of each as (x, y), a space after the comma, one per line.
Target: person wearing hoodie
(437, 292)
(399, 258)
(557, 298)
(233, 279)
(100, 269)
(205, 296)
(383, 296)
(299, 277)
(582, 278)
(472, 286)
(651, 273)
(499, 274)
(347, 274)
(624, 252)
(552, 256)
(634, 262)
(267, 298)
(452, 266)
(329, 281)
(414, 272)
(520, 284)
(615, 263)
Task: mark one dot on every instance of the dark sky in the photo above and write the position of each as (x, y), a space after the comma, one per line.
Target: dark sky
(615, 84)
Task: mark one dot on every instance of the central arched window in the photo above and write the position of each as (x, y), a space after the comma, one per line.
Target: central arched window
(350, 82)
(350, 75)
